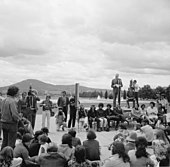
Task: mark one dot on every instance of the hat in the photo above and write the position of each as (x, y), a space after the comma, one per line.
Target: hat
(132, 137)
(34, 91)
(27, 137)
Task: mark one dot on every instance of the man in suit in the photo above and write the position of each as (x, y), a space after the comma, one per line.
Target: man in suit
(63, 102)
(116, 85)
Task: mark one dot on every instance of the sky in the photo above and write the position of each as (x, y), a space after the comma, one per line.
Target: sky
(85, 41)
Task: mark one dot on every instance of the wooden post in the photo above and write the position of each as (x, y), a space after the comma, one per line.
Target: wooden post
(77, 102)
(77, 94)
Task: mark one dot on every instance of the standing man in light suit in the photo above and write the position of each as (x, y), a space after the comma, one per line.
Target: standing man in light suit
(116, 85)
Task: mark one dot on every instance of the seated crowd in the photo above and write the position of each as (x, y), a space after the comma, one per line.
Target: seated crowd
(141, 147)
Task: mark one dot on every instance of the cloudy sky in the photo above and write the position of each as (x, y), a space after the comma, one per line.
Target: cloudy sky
(85, 41)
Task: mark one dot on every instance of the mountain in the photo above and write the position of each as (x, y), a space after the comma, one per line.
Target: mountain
(43, 87)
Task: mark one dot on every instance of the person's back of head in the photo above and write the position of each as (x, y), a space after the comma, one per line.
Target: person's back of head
(160, 135)
(119, 148)
(26, 138)
(37, 134)
(72, 132)
(12, 91)
(43, 139)
(80, 153)
(141, 144)
(7, 155)
(67, 139)
(45, 130)
(91, 135)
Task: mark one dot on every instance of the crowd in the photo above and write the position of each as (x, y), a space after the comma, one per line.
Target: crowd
(21, 146)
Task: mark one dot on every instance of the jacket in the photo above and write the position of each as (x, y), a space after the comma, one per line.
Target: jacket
(9, 111)
(46, 105)
(92, 114)
(101, 113)
(114, 82)
(66, 150)
(52, 159)
(111, 112)
(60, 102)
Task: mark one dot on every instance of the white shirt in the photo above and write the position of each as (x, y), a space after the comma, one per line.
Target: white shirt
(44, 148)
(152, 112)
(136, 87)
(148, 131)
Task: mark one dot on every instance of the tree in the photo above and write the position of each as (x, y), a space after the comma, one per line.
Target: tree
(106, 95)
(101, 94)
(160, 90)
(147, 92)
(110, 96)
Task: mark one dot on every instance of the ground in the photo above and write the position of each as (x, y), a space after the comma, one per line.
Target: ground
(104, 138)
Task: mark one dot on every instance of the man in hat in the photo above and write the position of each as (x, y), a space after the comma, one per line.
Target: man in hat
(116, 85)
(63, 102)
(32, 99)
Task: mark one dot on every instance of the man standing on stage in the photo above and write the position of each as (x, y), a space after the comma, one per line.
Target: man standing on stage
(63, 102)
(116, 85)
(136, 90)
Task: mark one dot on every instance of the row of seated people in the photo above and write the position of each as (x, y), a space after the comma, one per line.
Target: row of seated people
(152, 113)
(102, 117)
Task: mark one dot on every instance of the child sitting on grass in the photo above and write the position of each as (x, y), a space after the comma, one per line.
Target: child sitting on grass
(60, 117)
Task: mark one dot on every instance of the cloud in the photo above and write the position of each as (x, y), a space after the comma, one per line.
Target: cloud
(64, 42)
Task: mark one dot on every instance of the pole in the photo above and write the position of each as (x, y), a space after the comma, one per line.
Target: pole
(77, 102)
(77, 94)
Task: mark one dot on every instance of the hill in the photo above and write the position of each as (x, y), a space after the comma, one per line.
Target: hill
(43, 87)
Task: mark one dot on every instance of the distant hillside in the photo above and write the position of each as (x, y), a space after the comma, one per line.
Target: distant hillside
(43, 87)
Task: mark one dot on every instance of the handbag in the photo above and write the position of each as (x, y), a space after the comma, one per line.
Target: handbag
(52, 113)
